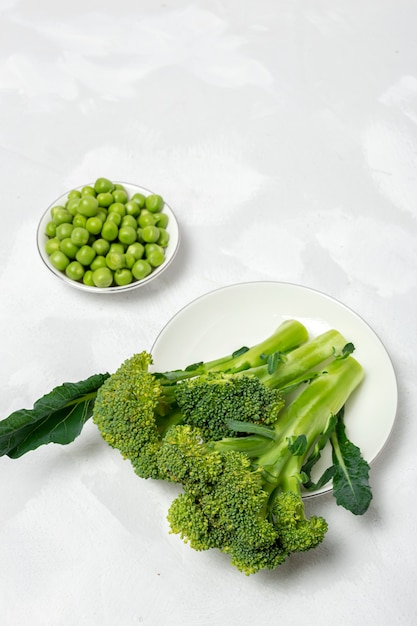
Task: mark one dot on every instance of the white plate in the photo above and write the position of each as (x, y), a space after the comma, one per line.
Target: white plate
(170, 251)
(223, 320)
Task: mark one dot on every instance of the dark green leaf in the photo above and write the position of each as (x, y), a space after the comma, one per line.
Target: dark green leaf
(191, 368)
(346, 351)
(57, 417)
(239, 352)
(351, 486)
(297, 445)
(294, 384)
(273, 361)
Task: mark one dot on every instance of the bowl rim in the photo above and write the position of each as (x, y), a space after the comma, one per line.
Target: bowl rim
(171, 249)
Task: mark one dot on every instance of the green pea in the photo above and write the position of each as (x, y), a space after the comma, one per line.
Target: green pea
(88, 206)
(155, 258)
(88, 191)
(72, 205)
(50, 229)
(61, 216)
(109, 230)
(94, 225)
(116, 246)
(99, 261)
(102, 277)
(56, 209)
(101, 246)
(103, 185)
(129, 220)
(151, 247)
(114, 217)
(118, 207)
(86, 255)
(127, 234)
(64, 230)
(150, 234)
(115, 260)
(141, 269)
(79, 220)
(139, 198)
(105, 199)
(132, 208)
(102, 214)
(52, 245)
(120, 195)
(161, 220)
(136, 249)
(154, 203)
(80, 236)
(130, 260)
(163, 239)
(74, 194)
(123, 277)
(74, 270)
(88, 278)
(69, 248)
(59, 260)
(146, 219)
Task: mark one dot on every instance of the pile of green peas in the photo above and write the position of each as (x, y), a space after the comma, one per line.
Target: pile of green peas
(103, 238)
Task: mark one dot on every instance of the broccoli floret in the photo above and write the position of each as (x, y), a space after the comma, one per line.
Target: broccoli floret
(207, 402)
(125, 414)
(247, 501)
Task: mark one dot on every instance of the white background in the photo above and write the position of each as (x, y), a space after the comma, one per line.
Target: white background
(283, 135)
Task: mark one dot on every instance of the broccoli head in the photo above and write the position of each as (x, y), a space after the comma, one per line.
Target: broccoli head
(245, 500)
(207, 402)
(125, 413)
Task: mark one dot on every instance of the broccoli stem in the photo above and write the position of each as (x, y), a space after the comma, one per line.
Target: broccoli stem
(290, 334)
(295, 366)
(308, 415)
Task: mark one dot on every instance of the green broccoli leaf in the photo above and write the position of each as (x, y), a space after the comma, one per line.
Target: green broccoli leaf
(240, 351)
(57, 417)
(350, 473)
(297, 445)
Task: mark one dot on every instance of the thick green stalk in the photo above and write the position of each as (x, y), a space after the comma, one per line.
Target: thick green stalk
(308, 414)
(289, 335)
(297, 365)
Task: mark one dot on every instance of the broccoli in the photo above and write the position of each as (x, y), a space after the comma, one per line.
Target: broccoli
(243, 495)
(240, 434)
(135, 407)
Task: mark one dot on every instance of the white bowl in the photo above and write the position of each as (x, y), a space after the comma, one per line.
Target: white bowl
(170, 251)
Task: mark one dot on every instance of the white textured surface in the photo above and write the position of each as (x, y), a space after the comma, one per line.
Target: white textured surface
(283, 134)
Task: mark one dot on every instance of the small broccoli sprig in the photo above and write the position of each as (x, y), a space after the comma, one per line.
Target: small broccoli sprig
(208, 401)
(243, 495)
